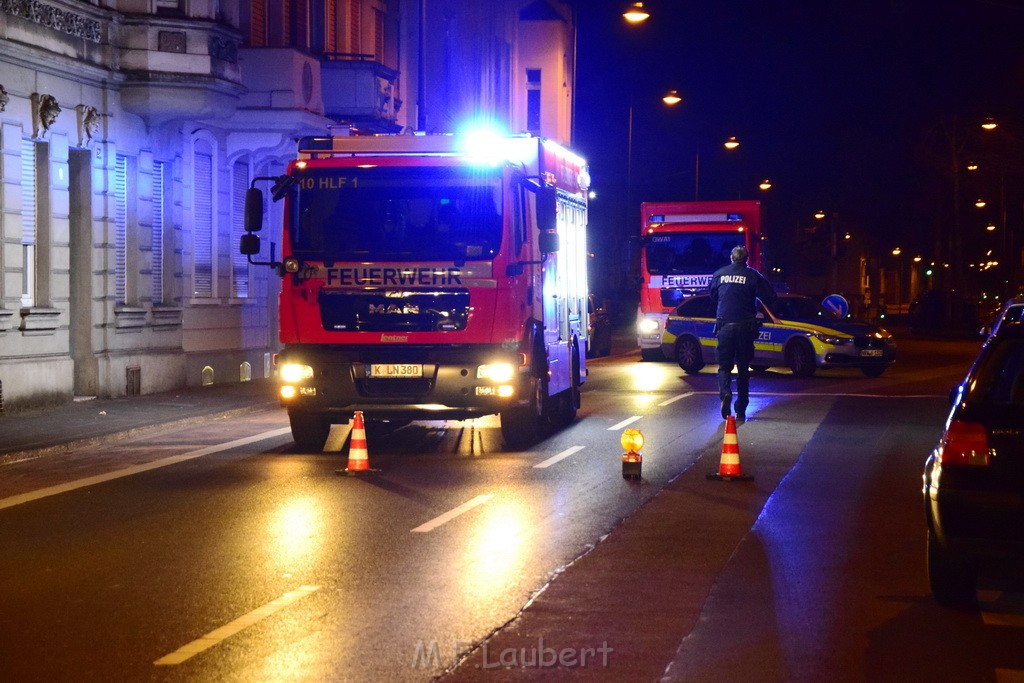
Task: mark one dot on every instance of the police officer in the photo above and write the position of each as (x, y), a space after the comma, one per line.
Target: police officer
(734, 288)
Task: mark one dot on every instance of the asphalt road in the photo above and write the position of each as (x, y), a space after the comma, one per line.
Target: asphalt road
(243, 559)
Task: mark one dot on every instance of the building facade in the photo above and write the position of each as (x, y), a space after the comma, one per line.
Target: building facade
(130, 130)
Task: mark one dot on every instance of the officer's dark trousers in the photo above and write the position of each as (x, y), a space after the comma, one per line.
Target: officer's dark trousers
(735, 348)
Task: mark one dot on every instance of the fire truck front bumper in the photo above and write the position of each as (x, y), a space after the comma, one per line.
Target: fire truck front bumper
(409, 382)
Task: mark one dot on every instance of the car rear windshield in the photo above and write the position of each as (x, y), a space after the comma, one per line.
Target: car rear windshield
(1000, 376)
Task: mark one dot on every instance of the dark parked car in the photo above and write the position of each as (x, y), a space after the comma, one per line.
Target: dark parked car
(974, 479)
(599, 328)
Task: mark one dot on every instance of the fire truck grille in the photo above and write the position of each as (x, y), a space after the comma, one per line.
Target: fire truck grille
(379, 310)
(395, 388)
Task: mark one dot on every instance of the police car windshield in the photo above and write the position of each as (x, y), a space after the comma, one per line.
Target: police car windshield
(397, 214)
(691, 253)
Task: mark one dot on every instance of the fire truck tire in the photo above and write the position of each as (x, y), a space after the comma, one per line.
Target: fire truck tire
(523, 426)
(569, 400)
(309, 430)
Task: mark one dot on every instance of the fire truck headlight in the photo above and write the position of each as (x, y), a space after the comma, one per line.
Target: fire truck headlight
(293, 373)
(496, 372)
(648, 325)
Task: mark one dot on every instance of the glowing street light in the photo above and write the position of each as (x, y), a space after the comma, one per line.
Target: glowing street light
(732, 142)
(819, 214)
(990, 124)
(765, 185)
(635, 13)
(990, 227)
(980, 203)
(672, 97)
(897, 251)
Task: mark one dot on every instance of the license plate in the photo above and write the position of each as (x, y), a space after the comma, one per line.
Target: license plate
(396, 370)
(871, 352)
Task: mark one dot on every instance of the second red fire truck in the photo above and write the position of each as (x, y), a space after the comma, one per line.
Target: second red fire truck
(682, 245)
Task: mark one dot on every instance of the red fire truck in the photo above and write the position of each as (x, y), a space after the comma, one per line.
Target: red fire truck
(430, 277)
(682, 245)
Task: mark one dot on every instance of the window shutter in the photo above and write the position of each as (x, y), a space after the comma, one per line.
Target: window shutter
(120, 227)
(239, 263)
(157, 254)
(28, 222)
(202, 240)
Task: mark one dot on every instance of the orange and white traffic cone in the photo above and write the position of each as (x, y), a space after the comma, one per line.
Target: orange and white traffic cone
(358, 456)
(729, 465)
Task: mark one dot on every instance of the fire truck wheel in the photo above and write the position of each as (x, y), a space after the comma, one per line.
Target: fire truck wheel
(569, 400)
(523, 426)
(309, 430)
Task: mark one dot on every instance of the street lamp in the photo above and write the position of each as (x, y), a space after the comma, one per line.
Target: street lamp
(990, 124)
(731, 143)
(765, 185)
(672, 97)
(635, 13)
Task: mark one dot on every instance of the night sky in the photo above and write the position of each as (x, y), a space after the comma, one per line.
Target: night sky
(848, 107)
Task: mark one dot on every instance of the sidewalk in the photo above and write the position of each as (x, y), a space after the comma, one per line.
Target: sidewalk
(32, 434)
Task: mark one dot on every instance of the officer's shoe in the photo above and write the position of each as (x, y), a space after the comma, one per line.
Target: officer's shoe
(741, 416)
(726, 410)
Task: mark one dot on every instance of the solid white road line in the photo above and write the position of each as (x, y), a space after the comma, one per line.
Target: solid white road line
(625, 422)
(136, 469)
(224, 632)
(555, 458)
(452, 514)
(674, 399)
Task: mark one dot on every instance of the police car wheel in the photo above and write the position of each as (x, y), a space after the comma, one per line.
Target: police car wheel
(688, 355)
(873, 370)
(800, 359)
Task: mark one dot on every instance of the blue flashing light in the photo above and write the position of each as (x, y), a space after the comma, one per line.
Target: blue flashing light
(484, 144)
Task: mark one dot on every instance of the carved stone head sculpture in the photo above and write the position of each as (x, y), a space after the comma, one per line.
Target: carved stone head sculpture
(4, 98)
(44, 113)
(90, 124)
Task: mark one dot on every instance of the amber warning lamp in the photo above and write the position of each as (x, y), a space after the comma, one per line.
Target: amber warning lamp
(632, 460)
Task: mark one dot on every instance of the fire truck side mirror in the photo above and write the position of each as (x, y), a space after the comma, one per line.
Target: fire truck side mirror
(283, 184)
(249, 244)
(547, 209)
(253, 210)
(548, 242)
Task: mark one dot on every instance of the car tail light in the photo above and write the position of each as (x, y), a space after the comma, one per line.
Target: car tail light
(965, 443)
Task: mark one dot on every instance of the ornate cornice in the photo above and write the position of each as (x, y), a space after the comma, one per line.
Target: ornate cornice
(53, 18)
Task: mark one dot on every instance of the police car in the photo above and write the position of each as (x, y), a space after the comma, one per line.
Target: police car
(798, 333)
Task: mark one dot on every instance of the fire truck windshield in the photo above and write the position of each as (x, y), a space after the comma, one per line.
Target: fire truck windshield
(690, 253)
(389, 213)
